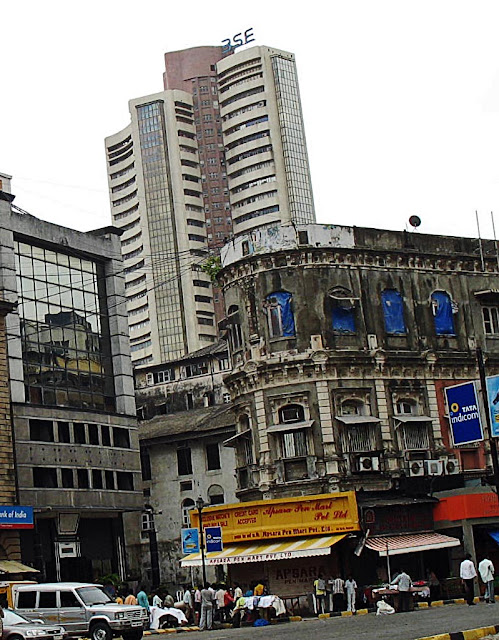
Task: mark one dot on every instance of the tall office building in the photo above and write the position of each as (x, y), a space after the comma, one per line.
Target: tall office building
(264, 137)
(156, 200)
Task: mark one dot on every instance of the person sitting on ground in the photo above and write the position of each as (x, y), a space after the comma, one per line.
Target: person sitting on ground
(130, 599)
(168, 602)
(142, 599)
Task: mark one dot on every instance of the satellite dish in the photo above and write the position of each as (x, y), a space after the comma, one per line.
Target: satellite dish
(415, 221)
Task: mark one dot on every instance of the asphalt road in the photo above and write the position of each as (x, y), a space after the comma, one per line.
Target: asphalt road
(399, 626)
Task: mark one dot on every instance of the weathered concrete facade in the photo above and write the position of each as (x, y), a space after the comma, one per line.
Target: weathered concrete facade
(72, 393)
(342, 348)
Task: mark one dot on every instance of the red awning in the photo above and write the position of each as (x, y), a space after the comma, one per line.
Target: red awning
(410, 543)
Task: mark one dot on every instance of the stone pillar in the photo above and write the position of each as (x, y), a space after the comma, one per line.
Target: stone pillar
(263, 438)
(326, 424)
(386, 433)
(434, 414)
(469, 547)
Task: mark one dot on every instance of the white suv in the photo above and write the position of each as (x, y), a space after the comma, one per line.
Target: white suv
(82, 609)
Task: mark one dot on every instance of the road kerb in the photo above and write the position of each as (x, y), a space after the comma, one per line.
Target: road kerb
(469, 634)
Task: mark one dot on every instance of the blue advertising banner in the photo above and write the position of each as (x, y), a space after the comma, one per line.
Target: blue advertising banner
(493, 398)
(213, 537)
(190, 541)
(464, 413)
(16, 518)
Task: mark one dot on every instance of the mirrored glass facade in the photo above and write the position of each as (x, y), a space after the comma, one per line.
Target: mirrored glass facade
(64, 329)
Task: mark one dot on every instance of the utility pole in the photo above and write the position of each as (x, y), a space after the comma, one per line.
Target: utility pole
(488, 434)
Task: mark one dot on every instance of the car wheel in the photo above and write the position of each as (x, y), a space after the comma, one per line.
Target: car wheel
(15, 637)
(101, 631)
(136, 634)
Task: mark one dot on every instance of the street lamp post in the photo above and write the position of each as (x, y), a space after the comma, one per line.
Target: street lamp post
(200, 504)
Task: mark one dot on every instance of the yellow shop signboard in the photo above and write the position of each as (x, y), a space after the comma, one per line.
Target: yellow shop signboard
(266, 519)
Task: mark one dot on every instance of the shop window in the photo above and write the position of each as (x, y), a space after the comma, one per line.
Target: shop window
(41, 430)
(393, 311)
(63, 434)
(443, 310)
(124, 480)
(216, 494)
(187, 506)
(212, 456)
(121, 438)
(67, 478)
(44, 477)
(184, 461)
(280, 315)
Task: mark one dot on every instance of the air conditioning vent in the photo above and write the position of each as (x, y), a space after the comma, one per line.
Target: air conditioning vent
(368, 463)
(416, 468)
(452, 466)
(372, 341)
(434, 467)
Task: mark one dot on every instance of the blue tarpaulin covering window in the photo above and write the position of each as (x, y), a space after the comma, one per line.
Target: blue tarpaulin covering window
(442, 312)
(344, 318)
(393, 310)
(281, 319)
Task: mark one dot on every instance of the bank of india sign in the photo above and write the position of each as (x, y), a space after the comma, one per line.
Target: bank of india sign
(331, 513)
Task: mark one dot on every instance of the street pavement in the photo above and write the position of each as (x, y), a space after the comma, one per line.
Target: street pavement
(399, 626)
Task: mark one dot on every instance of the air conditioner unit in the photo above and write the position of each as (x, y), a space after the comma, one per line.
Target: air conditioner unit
(372, 341)
(434, 467)
(451, 466)
(368, 463)
(416, 468)
(68, 549)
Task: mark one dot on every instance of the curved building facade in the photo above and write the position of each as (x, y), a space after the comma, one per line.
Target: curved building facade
(268, 171)
(157, 201)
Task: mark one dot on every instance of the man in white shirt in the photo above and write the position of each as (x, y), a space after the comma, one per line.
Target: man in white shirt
(486, 571)
(404, 583)
(467, 573)
(351, 590)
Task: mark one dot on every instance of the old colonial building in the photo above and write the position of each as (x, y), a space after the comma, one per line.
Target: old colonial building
(343, 340)
(185, 417)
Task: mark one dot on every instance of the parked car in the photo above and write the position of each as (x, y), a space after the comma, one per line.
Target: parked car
(16, 627)
(83, 609)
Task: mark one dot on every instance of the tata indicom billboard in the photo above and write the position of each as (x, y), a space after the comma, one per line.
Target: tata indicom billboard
(464, 413)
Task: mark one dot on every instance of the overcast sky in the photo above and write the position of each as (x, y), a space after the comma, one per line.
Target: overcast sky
(400, 99)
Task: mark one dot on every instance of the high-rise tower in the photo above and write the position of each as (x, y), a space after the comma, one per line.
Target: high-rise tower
(266, 155)
(156, 200)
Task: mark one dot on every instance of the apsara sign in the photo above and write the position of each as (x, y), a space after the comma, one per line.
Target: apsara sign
(266, 519)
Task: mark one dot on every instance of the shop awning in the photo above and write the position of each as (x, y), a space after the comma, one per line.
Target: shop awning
(265, 551)
(357, 419)
(290, 426)
(494, 535)
(11, 566)
(410, 543)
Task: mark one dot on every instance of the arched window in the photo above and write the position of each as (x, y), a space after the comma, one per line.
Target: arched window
(280, 315)
(234, 325)
(352, 408)
(443, 310)
(393, 311)
(342, 310)
(216, 494)
(187, 506)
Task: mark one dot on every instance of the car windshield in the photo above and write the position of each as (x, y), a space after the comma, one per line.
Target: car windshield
(10, 618)
(93, 595)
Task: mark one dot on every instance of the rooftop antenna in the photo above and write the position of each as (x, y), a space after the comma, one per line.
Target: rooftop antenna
(415, 222)
(480, 241)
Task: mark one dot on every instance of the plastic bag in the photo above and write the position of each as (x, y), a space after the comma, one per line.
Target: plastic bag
(384, 608)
